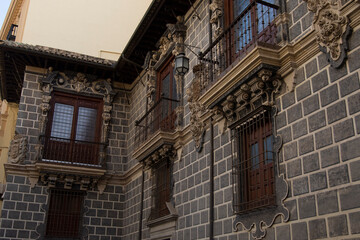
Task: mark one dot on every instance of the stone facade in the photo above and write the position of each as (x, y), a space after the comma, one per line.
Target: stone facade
(317, 119)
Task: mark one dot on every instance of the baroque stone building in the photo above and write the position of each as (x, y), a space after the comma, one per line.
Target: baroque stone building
(256, 137)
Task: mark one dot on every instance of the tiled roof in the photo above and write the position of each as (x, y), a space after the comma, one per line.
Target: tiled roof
(57, 52)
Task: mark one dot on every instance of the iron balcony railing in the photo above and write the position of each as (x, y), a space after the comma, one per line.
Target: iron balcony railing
(12, 32)
(254, 25)
(161, 116)
(70, 151)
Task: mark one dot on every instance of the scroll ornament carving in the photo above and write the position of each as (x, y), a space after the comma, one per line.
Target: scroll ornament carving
(18, 149)
(166, 152)
(197, 127)
(80, 83)
(150, 84)
(332, 29)
(216, 14)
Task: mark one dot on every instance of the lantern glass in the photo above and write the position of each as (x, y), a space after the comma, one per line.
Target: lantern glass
(181, 64)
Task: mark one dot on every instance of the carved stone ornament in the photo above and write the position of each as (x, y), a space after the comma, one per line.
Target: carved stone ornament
(332, 29)
(216, 14)
(18, 149)
(258, 221)
(68, 180)
(197, 127)
(262, 88)
(165, 152)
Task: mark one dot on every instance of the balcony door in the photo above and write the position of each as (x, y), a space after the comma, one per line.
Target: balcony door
(249, 21)
(73, 130)
(166, 96)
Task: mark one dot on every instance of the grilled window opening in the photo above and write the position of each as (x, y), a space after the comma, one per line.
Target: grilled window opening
(65, 214)
(253, 163)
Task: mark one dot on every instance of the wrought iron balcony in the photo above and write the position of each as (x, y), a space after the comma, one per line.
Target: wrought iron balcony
(253, 26)
(70, 151)
(160, 117)
(12, 32)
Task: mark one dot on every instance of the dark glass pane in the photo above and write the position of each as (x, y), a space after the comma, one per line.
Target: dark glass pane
(243, 32)
(166, 86)
(86, 121)
(255, 156)
(62, 121)
(268, 149)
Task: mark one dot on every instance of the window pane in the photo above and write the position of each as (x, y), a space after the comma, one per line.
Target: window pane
(62, 121)
(254, 155)
(85, 129)
(268, 149)
(243, 27)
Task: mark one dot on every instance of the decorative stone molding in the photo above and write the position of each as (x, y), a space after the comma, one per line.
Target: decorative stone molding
(52, 179)
(259, 90)
(216, 14)
(332, 29)
(197, 127)
(166, 151)
(18, 149)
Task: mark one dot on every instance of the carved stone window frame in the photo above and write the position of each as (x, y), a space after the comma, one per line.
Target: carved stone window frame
(76, 84)
(256, 90)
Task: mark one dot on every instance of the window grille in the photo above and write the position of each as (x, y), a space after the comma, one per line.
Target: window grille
(161, 189)
(64, 214)
(253, 162)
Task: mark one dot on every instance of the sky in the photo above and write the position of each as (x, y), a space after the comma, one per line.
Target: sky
(4, 5)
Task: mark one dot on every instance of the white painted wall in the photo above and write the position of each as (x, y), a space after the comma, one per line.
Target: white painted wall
(84, 26)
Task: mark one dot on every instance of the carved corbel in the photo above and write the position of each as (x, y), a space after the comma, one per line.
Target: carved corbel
(229, 107)
(244, 95)
(68, 182)
(18, 149)
(332, 29)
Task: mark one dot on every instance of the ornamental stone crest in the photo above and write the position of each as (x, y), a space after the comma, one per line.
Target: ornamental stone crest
(18, 149)
(332, 29)
(197, 127)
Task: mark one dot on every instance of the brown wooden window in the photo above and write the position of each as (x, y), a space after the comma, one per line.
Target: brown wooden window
(166, 95)
(161, 189)
(64, 214)
(73, 130)
(253, 166)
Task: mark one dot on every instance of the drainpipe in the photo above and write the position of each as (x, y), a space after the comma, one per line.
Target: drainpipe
(211, 235)
(141, 204)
